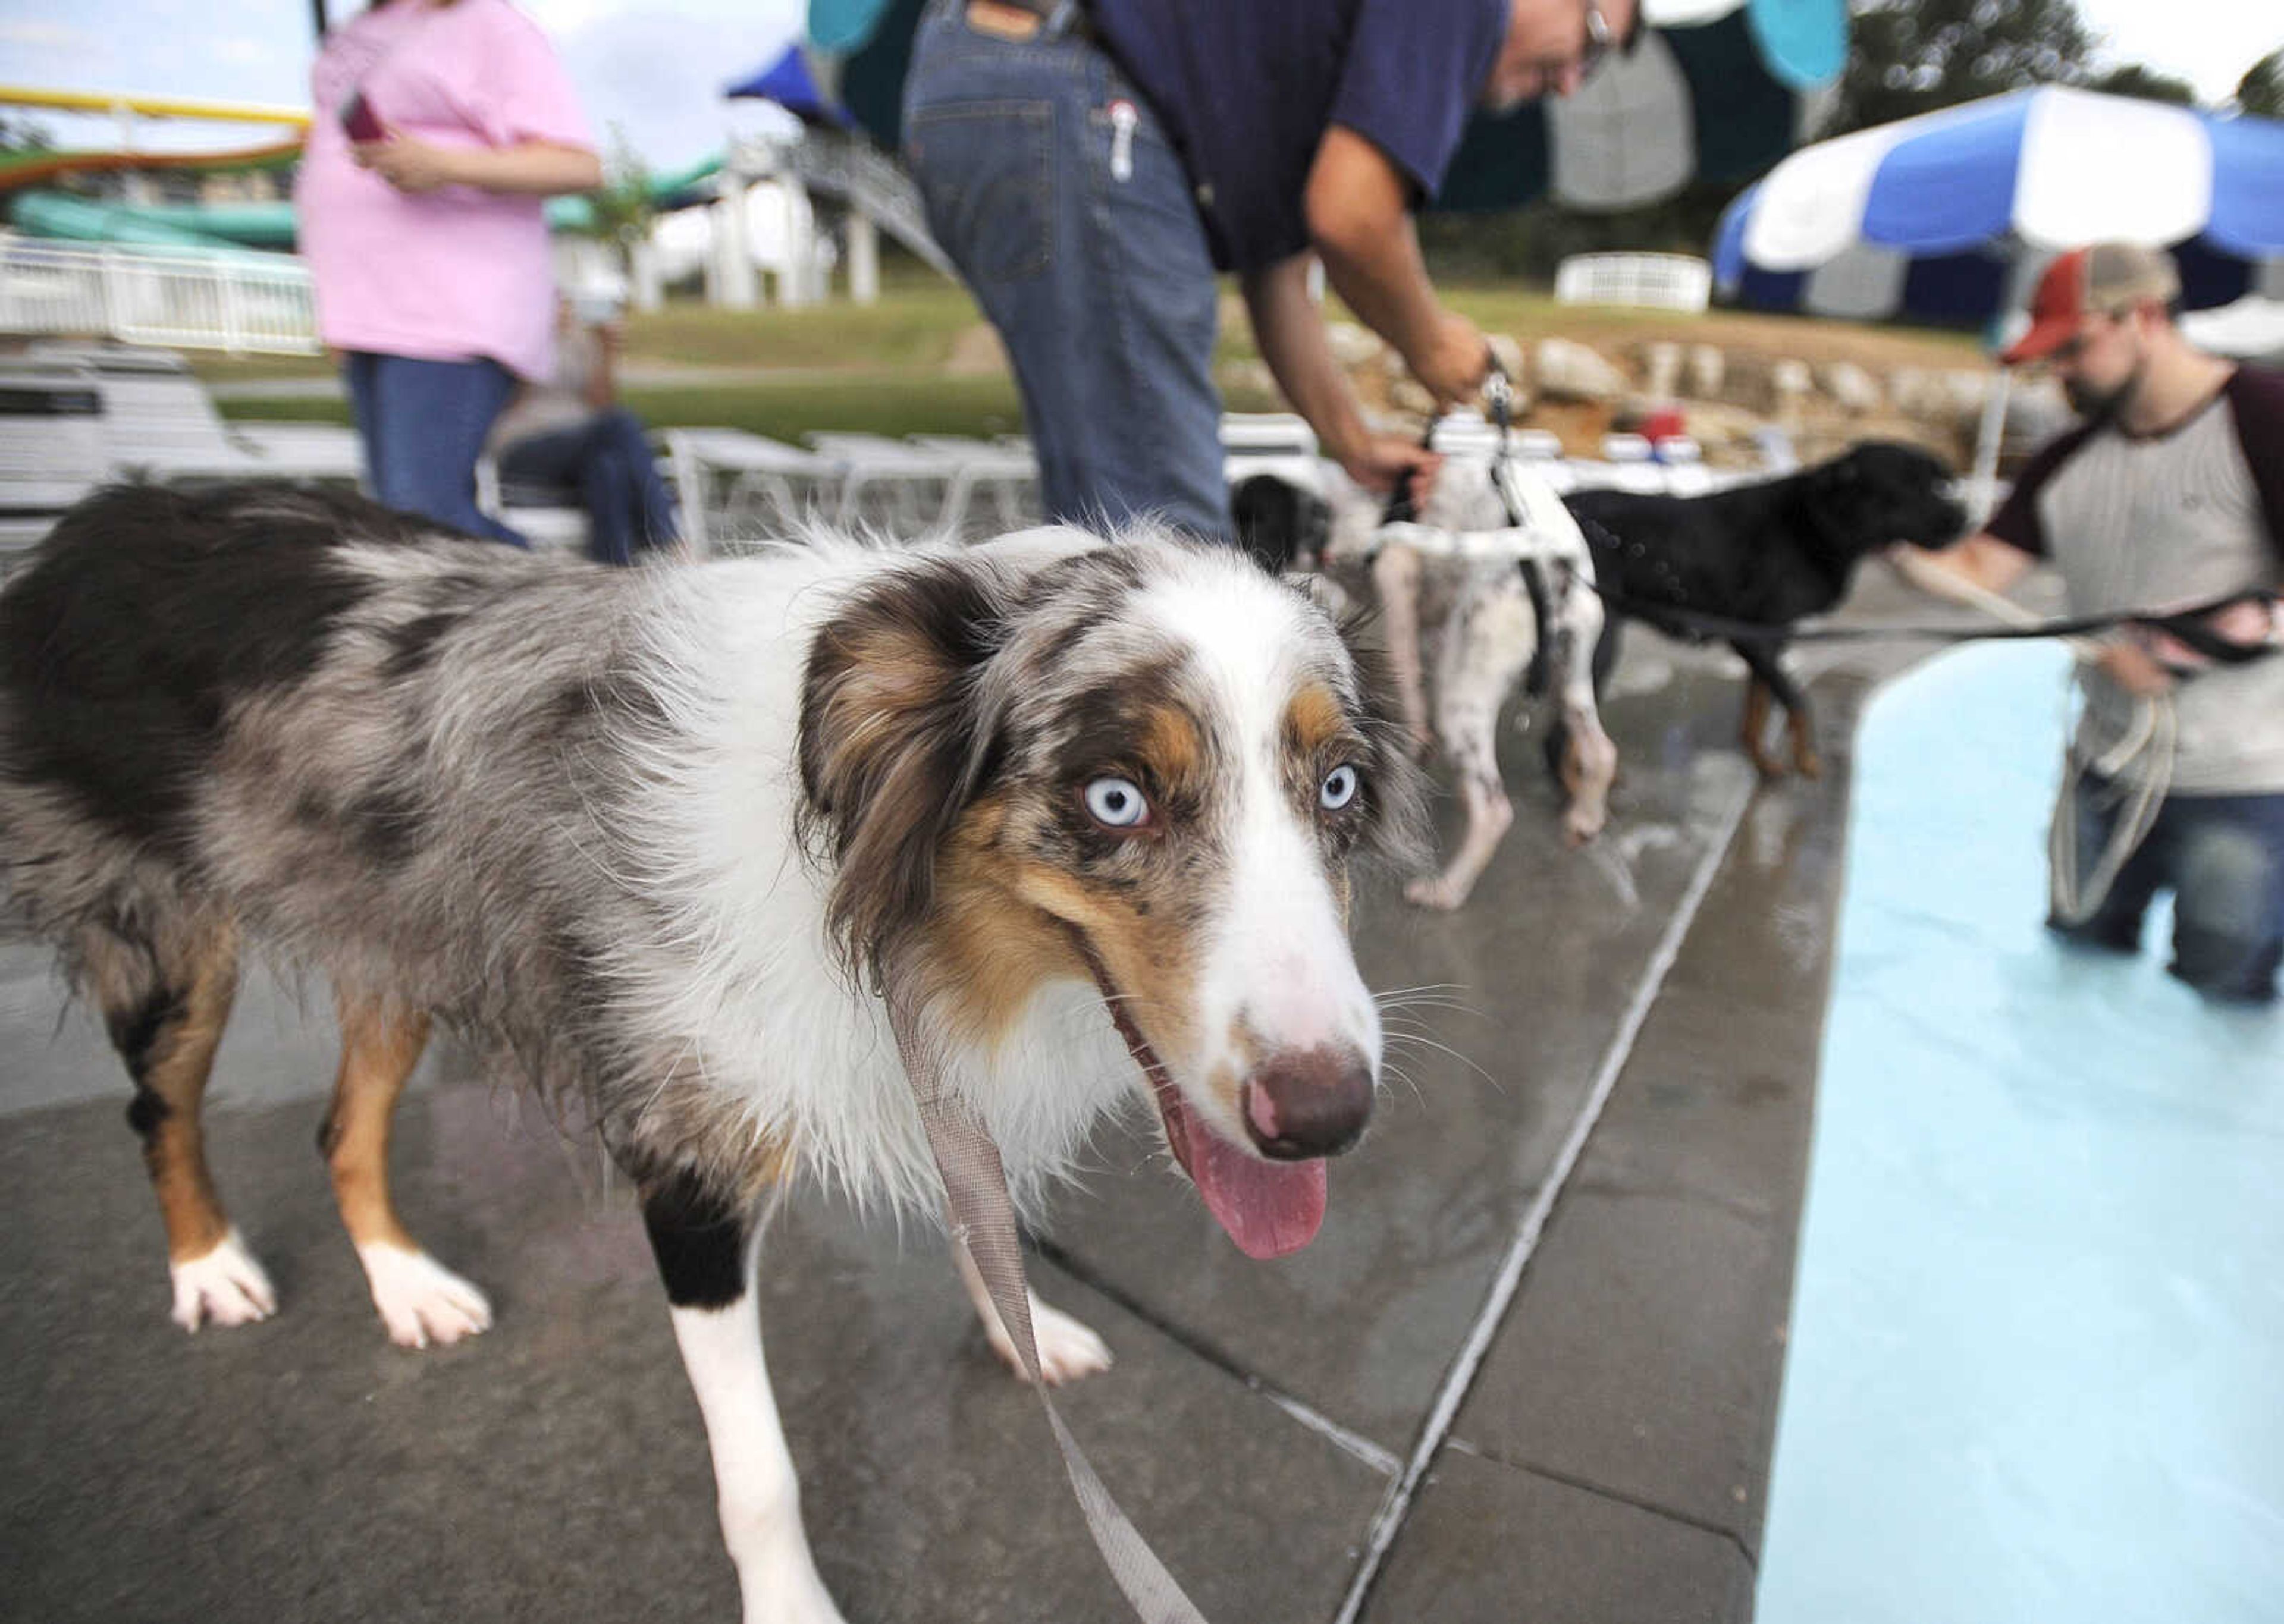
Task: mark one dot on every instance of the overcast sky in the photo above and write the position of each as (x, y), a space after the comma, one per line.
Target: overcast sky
(656, 67)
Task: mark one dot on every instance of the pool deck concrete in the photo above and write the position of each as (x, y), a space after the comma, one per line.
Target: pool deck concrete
(1529, 1370)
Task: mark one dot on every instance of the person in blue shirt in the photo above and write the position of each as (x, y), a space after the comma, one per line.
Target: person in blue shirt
(1089, 167)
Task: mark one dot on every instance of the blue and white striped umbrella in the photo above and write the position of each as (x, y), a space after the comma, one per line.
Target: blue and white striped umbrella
(1951, 215)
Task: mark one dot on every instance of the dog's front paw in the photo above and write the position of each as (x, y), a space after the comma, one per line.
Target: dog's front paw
(1439, 892)
(1068, 1348)
(420, 1301)
(786, 1591)
(1578, 829)
(227, 1286)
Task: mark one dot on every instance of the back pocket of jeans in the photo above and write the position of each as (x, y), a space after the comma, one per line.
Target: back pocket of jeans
(986, 174)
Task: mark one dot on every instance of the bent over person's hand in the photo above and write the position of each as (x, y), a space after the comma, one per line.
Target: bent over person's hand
(1381, 461)
(2134, 669)
(1456, 361)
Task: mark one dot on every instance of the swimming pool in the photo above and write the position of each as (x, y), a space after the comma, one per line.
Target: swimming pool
(2036, 1368)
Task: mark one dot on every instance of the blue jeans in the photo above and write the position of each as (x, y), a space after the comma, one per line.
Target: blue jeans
(423, 424)
(607, 460)
(2222, 856)
(1084, 248)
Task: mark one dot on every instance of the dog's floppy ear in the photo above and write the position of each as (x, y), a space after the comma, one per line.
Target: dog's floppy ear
(1840, 477)
(892, 741)
(1880, 492)
(1398, 833)
(1844, 499)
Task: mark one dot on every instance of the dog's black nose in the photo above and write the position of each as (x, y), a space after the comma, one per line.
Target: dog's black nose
(1310, 1102)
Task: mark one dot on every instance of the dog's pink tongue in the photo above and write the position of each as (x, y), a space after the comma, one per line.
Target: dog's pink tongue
(1269, 1207)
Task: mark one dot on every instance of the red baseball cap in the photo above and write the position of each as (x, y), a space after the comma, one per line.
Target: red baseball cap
(2104, 278)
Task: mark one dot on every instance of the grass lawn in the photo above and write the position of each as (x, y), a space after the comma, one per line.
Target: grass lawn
(913, 325)
(1529, 314)
(784, 409)
(884, 367)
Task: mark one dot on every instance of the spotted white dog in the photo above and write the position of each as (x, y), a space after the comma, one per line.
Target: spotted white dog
(1448, 582)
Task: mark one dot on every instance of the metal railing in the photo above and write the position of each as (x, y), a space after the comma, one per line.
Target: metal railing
(846, 167)
(244, 304)
(1659, 281)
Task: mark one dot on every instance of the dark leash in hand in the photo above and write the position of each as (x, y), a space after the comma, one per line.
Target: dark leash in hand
(1499, 393)
(2186, 626)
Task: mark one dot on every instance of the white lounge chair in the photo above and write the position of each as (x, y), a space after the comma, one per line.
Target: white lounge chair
(988, 474)
(893, 484)
(159, 423)
(51, 447)
(767, 485)
(540, 514)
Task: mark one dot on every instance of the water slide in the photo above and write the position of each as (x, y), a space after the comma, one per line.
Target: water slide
(267, 226)
(229, 228)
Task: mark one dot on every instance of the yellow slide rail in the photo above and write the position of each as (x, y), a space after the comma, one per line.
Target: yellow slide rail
(152, 106)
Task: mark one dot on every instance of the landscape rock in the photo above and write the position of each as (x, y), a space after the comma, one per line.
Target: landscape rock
(1851, 387)
(1562, 369)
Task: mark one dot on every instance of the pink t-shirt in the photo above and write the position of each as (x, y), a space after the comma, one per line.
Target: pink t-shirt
(457, 273)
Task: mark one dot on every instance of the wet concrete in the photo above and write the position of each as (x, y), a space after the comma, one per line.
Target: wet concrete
(1294, 1438)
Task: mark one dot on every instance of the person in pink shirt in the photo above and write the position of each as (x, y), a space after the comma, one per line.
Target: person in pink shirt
(441, 126)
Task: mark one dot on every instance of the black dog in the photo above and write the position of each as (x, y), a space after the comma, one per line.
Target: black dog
(1768, 554)
(1281, 526)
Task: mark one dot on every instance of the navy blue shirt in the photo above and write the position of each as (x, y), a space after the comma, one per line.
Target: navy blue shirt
(1246, 89)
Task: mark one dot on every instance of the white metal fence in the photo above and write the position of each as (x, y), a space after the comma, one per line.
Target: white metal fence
(1660, 281)
(254, 304)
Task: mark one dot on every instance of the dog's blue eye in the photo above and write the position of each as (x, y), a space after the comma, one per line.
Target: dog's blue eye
(1116, 803)
(1338, 788)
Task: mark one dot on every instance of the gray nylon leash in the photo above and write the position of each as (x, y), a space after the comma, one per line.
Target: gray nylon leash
(983, 1224)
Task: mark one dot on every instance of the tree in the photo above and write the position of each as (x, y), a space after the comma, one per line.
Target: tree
(2261, 90)
(2135, 80)
(1910, 57)
(623, 209)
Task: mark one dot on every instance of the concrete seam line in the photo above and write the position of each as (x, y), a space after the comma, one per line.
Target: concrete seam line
(1388, 1521)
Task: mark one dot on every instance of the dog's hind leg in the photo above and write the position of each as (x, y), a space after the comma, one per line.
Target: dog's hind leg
(1800, 726)
(1487, 646)
(1753, 727)
(1801, 731)
(1590, 761)
(1396, 575)
(164, 980)
(1771, 681)
(707, 1252)
(1067, 1347)
(420, 1301)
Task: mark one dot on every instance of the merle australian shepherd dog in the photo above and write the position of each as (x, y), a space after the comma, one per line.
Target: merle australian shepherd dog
(656, 841)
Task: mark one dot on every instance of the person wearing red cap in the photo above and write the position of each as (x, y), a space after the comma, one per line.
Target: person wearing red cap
(2169, 491)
